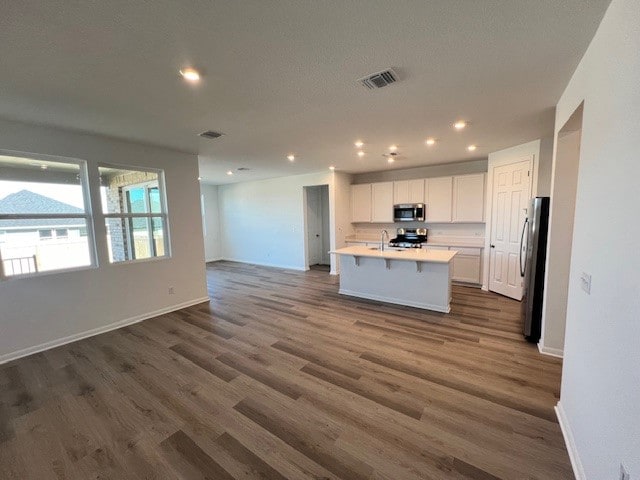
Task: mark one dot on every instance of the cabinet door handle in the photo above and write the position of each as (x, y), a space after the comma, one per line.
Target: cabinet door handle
(493, 246)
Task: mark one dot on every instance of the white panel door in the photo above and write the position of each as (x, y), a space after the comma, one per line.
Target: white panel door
(382, 202)
(468, 198)
(361, 203)
(439, 200)
(510, 195)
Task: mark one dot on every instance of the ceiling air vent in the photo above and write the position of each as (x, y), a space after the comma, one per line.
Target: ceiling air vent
(243, 169)
(380, 79)
(211, 134)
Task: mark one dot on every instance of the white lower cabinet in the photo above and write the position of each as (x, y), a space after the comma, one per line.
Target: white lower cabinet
(466, 265)
(466, 268)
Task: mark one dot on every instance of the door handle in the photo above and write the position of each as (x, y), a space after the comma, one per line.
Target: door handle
(493, 246)
(524, 226)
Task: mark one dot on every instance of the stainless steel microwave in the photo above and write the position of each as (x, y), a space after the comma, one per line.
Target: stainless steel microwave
(408, 212)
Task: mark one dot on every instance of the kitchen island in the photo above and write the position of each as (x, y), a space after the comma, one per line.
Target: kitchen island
(415, 277)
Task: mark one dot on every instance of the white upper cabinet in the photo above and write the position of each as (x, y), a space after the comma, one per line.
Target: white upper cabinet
(408, 191)
(439, 194)
(382, 202)
(361, 203)
(468, 198)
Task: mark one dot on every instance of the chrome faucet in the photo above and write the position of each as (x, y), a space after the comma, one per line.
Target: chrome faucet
(384, 232)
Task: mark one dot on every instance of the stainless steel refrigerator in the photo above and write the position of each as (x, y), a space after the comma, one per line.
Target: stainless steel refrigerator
(533, 255)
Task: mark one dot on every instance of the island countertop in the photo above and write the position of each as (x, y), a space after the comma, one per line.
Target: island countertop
(410, 254)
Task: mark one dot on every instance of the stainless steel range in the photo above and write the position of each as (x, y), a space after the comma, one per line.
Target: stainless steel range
(409, 238)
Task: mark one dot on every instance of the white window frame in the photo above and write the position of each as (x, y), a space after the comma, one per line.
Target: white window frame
(163, 214)
(87, 215)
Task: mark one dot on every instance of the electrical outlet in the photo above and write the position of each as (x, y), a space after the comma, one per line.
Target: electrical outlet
(171, 291)
(623, 473)
(585, 282)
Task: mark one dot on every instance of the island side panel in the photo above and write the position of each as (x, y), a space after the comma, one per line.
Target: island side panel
(401, 283)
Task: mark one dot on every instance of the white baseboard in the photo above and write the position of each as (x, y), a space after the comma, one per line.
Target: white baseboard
(576, 464)
(216, 259)
(552, 352)
(368, 296)
(8, 357)
(265, 264)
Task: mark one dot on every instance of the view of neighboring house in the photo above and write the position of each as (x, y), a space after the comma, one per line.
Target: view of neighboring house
(41, 244)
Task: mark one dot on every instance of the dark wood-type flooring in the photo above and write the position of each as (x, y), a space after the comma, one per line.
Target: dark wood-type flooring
(279, 377)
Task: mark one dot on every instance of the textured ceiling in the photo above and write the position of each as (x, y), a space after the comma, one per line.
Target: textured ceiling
(280, 76)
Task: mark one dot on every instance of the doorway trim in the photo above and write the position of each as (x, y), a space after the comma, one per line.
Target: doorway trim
(329, 232)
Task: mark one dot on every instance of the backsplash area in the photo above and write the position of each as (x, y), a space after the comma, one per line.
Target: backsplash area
(437, 231)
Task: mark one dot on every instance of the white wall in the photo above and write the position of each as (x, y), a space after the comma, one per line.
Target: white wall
(526, 151)
(41, 311)
(545, 164)
(211, 222)
(263, 222)
(600, 397)
(562, 210)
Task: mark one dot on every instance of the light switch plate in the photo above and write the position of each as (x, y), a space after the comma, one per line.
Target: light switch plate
(585, 282)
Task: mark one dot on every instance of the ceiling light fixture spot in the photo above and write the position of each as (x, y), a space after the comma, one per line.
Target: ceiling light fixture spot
(360, 153)
(472, 148)
(190, 74)
(291, 157)
(430, 142)
(460, 124)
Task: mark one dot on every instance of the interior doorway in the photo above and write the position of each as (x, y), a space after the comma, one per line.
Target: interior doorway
(317, 225)
(559, 246)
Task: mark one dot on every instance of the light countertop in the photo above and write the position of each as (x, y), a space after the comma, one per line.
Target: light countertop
(410, 254)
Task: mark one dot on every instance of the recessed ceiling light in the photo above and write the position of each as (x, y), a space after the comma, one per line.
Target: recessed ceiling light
(391, 160)
(393, 148)
(460, 124)
(359, 144)
(471, 148)
(361, 153)
(291, 158)
(332, 168)
(190, 74)
(229, 172)
(199, 178)
(430, 141)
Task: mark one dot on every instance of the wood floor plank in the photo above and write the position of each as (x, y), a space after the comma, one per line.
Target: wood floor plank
(280, 377)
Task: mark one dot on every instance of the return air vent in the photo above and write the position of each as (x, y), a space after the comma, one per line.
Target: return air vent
(211, 134)
(243, 169)
(380, 79)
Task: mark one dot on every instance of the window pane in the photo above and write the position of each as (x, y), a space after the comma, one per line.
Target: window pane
(136, 201)
(124, 190)
(29, 249)
(117, 240)
(154, 200)
(135, 238)
(158, 235)
(29, 186)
